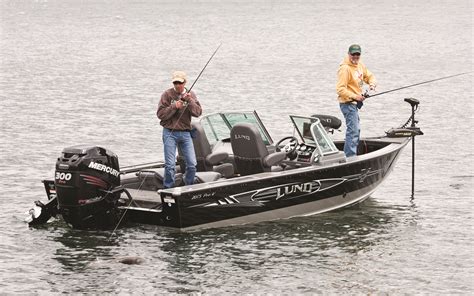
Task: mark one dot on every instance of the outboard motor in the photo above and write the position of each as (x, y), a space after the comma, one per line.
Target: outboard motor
(84, 179)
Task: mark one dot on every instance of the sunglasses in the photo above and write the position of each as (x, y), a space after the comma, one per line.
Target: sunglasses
(178, 82)
(355, 54)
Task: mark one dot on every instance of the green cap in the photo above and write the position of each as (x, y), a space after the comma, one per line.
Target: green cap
(355, 48)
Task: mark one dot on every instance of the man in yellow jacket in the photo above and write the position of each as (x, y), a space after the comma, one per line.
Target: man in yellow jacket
(351, 77)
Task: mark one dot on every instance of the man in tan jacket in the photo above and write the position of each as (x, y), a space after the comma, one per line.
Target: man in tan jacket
(351, 77)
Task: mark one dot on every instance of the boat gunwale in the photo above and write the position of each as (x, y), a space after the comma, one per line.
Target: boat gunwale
(394, 145)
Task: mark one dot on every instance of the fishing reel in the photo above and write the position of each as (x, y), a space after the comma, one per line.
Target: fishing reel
(365, 95)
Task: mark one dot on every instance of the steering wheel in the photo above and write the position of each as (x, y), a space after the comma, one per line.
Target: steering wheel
(290, 147)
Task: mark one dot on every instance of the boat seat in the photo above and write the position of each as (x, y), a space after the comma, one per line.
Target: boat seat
(158, 173)
(204, 177)
(329, 122)
(225, 169)
(250, 153)
(207, 161)
(156, 177)
(129, 180)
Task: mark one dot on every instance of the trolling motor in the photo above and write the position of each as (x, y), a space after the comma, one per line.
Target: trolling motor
(83, 191)
(404, 130)
(409, 131)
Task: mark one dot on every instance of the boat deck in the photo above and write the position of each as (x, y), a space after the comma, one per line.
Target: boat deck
(143, 198)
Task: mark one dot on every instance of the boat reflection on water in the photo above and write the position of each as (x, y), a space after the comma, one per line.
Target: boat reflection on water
(349, 231)
(180, 261)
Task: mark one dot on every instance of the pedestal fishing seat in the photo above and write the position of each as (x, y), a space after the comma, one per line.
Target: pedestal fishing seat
(250, 153)
(207, 161)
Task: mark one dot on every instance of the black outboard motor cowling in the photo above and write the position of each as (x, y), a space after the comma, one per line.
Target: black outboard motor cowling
(83, 178)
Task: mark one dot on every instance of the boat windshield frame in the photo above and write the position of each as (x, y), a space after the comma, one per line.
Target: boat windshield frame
(217, 126)
(312, 133)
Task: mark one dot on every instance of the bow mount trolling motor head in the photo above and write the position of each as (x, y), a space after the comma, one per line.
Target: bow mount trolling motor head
(413, 102)
(409, 129)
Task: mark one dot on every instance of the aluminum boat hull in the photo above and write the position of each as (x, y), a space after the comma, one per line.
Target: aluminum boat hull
(270, 195)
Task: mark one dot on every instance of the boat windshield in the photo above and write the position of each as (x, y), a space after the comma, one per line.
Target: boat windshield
(312, 133)
(218, 125)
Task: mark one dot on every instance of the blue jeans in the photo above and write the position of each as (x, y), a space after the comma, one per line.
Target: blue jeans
(351, 114)
(171, 140)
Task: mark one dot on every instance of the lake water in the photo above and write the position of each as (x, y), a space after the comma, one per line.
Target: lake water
(75, 72)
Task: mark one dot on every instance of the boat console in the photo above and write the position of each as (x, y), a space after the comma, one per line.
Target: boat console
(316, 147)
(304, 152)
(313, 145)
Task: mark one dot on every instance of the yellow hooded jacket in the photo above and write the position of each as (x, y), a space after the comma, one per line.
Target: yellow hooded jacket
(350, 79)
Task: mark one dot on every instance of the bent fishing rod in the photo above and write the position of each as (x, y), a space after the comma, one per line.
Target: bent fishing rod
(367, 95)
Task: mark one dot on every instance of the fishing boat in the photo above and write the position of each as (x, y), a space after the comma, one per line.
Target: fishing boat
(242, 177)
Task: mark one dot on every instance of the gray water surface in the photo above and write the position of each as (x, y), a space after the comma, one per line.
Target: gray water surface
(75, 72)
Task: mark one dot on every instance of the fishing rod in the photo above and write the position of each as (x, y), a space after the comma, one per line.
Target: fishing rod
(197, 78)
(367, 95)
(424, 82)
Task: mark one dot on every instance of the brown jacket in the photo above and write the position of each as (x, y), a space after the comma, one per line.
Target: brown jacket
(173, 118)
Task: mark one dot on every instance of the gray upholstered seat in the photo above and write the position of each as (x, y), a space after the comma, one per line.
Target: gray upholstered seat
(155, 177)
(250, 153)
(204, 177)
(207, 161)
